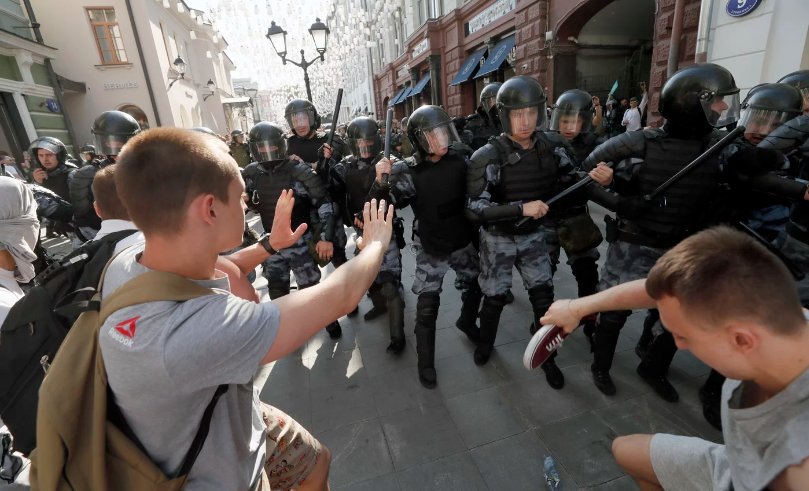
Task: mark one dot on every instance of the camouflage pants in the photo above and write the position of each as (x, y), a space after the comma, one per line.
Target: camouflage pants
(554, 249)
(430, 268)
(391, 269)
(627, 262)
(798, 253)
(499, 253)
(297, 259)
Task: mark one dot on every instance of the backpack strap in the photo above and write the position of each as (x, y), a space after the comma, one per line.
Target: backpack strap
(202, 434)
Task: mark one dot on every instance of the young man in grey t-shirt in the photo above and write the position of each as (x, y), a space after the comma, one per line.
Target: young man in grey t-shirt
(164, 360)
(735, 306)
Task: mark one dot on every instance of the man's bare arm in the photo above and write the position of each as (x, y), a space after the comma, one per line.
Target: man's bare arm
(306, 312)
(568, 313)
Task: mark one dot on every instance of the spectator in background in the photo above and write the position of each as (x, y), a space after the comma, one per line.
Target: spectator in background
(108, 206)
(634, 115)
(10, 166)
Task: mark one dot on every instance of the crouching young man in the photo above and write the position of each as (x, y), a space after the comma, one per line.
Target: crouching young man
(164, 360)
(735, 306)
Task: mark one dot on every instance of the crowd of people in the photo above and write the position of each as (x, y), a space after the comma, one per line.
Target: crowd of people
(178, 331)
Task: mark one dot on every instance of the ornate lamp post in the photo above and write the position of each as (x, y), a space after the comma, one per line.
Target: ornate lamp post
(320, 35)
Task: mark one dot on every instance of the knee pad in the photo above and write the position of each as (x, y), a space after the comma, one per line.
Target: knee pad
(494, 302)
(613, 320)
(541, 293)
(428, 304)
(391, 290)
(277, 289)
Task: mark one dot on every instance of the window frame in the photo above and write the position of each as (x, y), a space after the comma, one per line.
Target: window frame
(106, 26)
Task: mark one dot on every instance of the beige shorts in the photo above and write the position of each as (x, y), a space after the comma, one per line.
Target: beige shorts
(291, 451)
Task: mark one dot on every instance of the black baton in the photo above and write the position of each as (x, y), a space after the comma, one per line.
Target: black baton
(388, 131)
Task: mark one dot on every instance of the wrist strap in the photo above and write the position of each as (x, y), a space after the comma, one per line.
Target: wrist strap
(265, 243)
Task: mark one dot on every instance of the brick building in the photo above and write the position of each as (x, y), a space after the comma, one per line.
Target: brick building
(587, 44)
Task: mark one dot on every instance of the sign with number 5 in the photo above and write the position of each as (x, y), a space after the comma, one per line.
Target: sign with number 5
(740, 8)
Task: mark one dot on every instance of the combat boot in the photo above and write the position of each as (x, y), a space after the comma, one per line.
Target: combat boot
(541, 298)
(392, 292)
(469, 312)
(334, 330)
(710, 395)
(607, 331)
(642, 348)
(655, 366)
(380, 304)
(585, 270)
(426, 315)
(489, 321)
(277, 289)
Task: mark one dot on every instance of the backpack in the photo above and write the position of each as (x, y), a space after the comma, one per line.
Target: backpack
(36, 326)
(83, 442)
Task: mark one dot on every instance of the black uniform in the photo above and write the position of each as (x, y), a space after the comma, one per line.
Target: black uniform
(88, 223)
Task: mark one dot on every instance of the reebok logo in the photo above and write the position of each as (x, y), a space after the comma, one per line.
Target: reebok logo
(124, 332)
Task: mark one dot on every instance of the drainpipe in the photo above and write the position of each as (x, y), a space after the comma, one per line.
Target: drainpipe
(142, 61)
(676, 34)
(704, 30)
(57, 88)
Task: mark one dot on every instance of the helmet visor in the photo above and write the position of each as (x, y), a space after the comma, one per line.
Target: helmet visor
(109, 144)
(268, 150)
(363, 148)
(571, 121)
(301, 122)
(523, 120)
(437, 139)
(488, 102)
(722, 110)
(763, 121)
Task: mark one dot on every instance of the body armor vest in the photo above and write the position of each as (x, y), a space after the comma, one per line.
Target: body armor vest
(683, 203)
(583, 145)
(481, 129)
(270, 186)
(440, 204)
(358, 184)
(57, 180)
(81, 196)
(306, 149)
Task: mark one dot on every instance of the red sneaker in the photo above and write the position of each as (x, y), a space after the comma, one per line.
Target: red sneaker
(540, 347)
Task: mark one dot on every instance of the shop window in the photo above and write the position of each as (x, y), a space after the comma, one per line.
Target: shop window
(108, 37)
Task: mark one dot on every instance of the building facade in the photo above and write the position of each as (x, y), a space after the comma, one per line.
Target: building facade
(124, 51)
(30, 91)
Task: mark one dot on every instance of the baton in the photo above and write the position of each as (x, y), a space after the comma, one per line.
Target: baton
(721, 144)
(587, 180)
(388, 131)
(335, 116)
(796, 273)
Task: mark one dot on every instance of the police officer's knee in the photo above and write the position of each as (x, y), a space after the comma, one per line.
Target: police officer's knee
(390, 289)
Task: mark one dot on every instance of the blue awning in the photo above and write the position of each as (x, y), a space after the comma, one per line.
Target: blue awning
(403, 97)
(468, 67)
(497, 56)
(420, 86)
(396, 97)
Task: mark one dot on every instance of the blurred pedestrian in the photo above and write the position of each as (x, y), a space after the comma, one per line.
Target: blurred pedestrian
(633, 116)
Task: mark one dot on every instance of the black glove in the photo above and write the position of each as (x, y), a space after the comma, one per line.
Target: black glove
(751, 161)
(632, 206)
(320, 155)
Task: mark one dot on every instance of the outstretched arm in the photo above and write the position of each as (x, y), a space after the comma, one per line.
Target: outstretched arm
(628, 296)
(339, 293)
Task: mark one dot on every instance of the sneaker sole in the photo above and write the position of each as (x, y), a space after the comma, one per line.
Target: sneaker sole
(542, 344)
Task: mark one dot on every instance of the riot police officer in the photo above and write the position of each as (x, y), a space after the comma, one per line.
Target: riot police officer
(572, 118)
(508, 178)
(111, 130)
(51, 168)
(481, 124)
(433, 182)
(352, 179)
(305, 142)
(695, 100)
(88, 154)
(204, 129)
(799, 80)
(265, 179)
(407, 148)
(239, 148)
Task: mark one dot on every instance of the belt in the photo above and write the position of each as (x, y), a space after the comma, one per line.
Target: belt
(797, 233)
(633, 234)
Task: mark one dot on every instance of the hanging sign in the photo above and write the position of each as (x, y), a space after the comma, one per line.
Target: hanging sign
(420, 48)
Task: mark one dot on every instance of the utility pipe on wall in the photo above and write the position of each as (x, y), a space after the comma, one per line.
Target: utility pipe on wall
(704, 30)
(676, 34)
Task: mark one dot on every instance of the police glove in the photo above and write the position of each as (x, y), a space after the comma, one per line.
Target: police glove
(631, 206)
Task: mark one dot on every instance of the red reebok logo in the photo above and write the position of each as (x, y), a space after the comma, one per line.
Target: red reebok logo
(127, 327)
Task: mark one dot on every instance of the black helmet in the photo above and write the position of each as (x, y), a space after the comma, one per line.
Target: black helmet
(50, 144)
(521, 92)
(302, 112)
(431, 131)
(488, 96)
(268, 142)
(363, 138)
(573, 113)
(696, 96)
(88, 153)
(111, 130)
(203, 129)
(236, 133)
(768, 106)
(799, 80)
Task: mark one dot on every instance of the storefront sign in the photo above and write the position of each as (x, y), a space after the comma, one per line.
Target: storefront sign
(403, 71)
(125, 85)
(420, 48)
(491, 14)
(53, 106)
(740, 8)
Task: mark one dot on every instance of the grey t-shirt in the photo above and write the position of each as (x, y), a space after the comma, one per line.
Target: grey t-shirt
(763, 440)
(164, 361)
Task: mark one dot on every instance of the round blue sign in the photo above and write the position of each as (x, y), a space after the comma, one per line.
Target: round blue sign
(53, 106)
(740, 8)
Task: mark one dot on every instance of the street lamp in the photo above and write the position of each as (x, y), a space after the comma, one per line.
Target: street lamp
(212, 87)
(179, 65)
(251, 93)
(320, 35)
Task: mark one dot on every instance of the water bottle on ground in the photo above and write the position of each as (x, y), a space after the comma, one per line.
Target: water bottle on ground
(552, 476)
